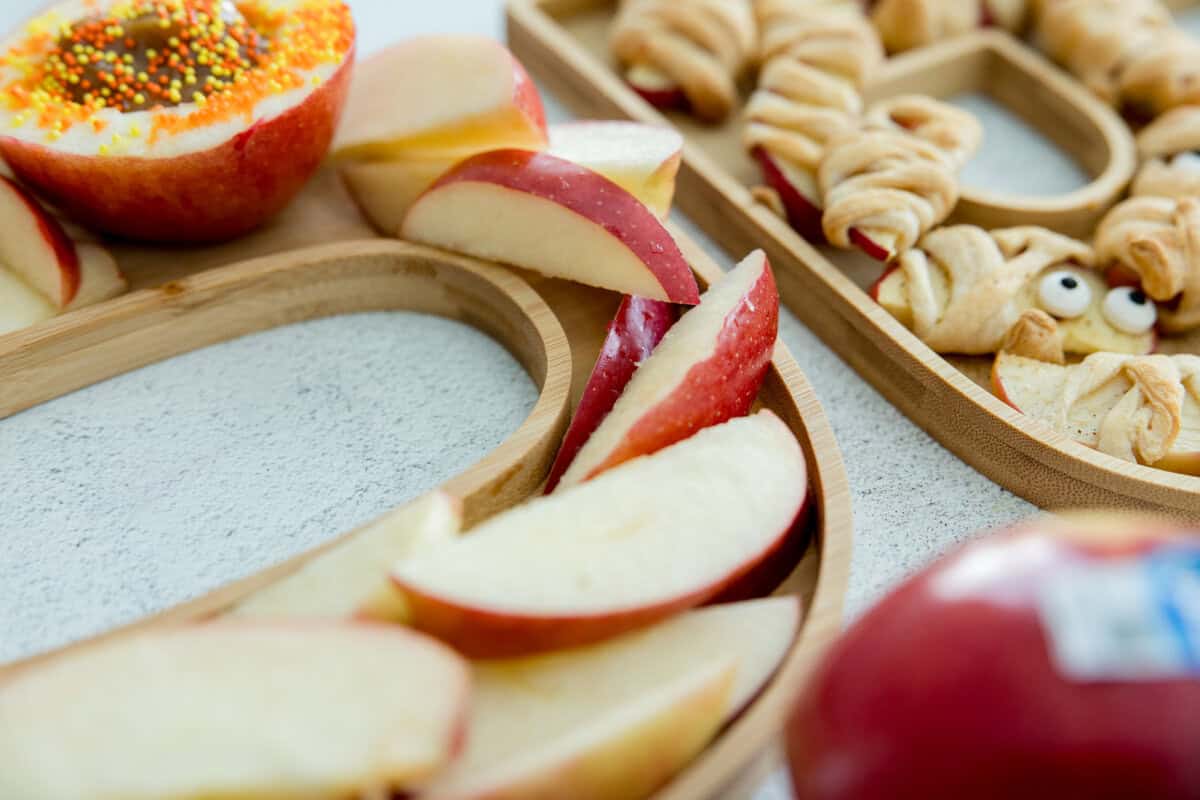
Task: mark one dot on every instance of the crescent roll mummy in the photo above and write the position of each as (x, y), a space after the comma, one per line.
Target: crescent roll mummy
(816, 56)
(897, 177)
(968, 291)
(686, 52)
(1158, 239)
(1169, 149)
(1140, 409)
(907, 24)
(1129, 52)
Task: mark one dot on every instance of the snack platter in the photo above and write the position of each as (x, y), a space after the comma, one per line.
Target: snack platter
(321, 257)
(567, 45)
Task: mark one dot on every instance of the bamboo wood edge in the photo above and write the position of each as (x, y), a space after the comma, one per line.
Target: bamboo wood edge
(1020, 454)
(1044, 96)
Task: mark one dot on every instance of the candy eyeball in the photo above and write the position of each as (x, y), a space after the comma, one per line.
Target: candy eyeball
(1063, 293)
(1129, 310)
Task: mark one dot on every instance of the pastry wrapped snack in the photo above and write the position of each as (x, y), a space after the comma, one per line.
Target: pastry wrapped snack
(1169, 149)
(907, 24)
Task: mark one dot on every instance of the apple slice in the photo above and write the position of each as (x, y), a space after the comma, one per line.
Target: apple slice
(544, 213)
(100, 278)
(635, 331)
(20, 306)
(444, 94)
(627, 549)
(235, 710)
(35, 246)
(797, 191)
(656, 88)
(708, 369)
(641, 159)
(1036, 389)
(351, 579)
(621, 718)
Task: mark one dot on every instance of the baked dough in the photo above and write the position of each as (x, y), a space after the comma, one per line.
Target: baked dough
(1129, 52)
(1159, 239)
(907, 24)
(703, 46)
(816, 56)
(896, 178)
(1140, 409)
(1170, 153)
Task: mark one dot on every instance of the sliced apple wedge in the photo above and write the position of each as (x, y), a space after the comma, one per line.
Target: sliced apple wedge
(656, 88)
(635, 331)
(444, 93)
(547, 214)
(36, 247)
(20, 305)
(235, 710)
(617, 719)
(708, 369)
(352, 579)
(100, 278)
(641, 159)
(1037, 389)
(797, 191)
(627, 549)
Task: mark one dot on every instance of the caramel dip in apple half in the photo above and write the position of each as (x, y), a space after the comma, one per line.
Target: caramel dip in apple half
(174, 120)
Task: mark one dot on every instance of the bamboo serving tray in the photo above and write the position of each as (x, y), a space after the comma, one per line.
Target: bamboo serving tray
(564, 44)
(185, 300)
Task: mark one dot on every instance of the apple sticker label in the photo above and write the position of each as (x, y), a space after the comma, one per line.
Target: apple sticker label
(1134, 619)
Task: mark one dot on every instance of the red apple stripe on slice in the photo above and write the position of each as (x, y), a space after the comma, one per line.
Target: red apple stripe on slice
(235, 710)
(544, 213)
(708, 369)
(352, 579)
(657, 89)
(100, 278)
(620, 718)
(641, 159)
(635, 331)
(627, 549)
(796, 191)
(35, 247)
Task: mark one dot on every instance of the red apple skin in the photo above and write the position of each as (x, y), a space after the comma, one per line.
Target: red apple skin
(877, 285)
(1120, 275)
(802, 213)
(998, 386)
(527, 98)
(869, 247)
(58, 239)
(482, 633)
(957, 698)
(717, 389)
(209, 196)
(673, 99)
(591, 196)
(638, 327)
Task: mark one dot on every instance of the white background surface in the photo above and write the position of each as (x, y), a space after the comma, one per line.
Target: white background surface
(154, 487)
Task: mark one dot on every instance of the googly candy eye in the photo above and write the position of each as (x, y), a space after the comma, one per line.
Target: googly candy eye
(1064, 294)
(1129, 310)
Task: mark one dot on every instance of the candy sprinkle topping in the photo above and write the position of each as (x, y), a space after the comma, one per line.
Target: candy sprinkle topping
(220, 57)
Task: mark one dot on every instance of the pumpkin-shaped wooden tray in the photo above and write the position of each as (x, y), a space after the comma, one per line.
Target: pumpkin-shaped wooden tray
(184, 300)
(564, 43)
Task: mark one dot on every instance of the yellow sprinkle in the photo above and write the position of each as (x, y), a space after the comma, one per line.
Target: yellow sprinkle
(139, 98)
(103, 149)
(199, 99)
(135, 131)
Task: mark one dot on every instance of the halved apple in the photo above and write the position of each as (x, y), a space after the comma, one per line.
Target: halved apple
(642, 159)
(627, 549)
(235, 710)
(1036, 389)
(352, 579)
(542, 212)
(708, 369)
(445, 94)
(635, 331)
(160, 158)
(621, 718)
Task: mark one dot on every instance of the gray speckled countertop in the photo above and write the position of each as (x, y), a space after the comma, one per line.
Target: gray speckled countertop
(153, 487)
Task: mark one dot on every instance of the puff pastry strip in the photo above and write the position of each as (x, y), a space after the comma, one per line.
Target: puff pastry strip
(1141, 409)
(1170, 153)
(1129, 52)
(816, 55)
(896, 179)
(1158, 238)
(703, 46)
(968, 291)
(907, 24)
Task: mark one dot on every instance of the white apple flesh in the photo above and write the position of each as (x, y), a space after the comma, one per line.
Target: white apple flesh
(629, 548)
(254, 711)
